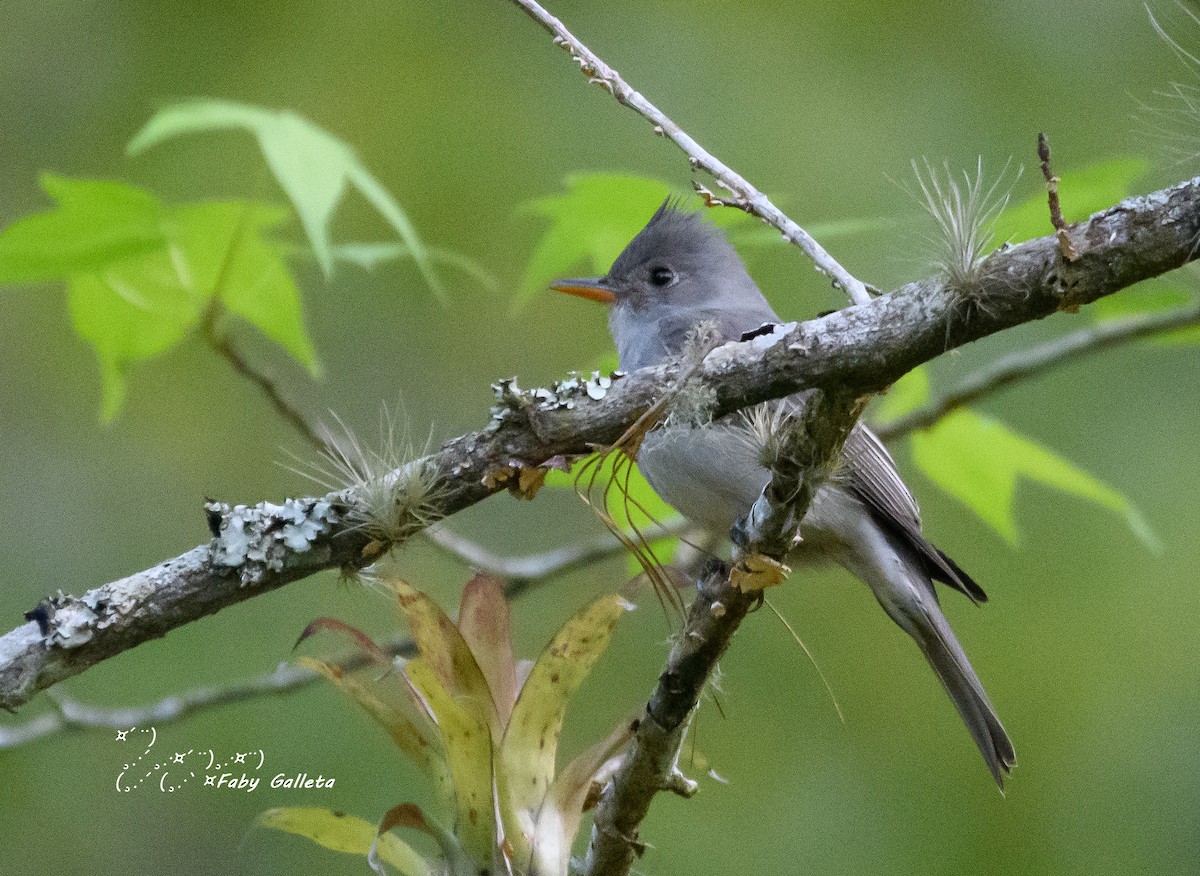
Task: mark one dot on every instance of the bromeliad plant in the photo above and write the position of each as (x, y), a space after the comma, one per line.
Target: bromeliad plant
(483, 727)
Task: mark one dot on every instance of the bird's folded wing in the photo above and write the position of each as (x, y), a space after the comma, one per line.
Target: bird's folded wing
(871, 475)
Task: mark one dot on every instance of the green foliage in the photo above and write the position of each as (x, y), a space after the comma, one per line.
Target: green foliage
(97, 223)
(977, 460)
(1081, 193)
(906, 394)
(141, 274)
(313, 167)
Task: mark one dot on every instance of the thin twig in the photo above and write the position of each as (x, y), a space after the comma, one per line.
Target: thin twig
(1033, 362)
(1056, 217)
(219, 341)
(72, 715)
(540, 565)
(721, 604)
(746, 197)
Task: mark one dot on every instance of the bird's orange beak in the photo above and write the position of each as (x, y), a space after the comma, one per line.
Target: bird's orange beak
(591, 288)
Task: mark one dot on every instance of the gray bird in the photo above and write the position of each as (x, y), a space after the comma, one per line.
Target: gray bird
(680, 271)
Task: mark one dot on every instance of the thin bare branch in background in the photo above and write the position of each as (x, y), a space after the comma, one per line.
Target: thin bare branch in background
(746, 196)
(313, 431)
(72, 715)
(1022, 365)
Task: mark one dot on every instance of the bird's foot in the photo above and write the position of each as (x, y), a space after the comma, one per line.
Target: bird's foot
(757, 572)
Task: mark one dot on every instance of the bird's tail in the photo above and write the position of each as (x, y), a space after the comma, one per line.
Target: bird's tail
(937, 642)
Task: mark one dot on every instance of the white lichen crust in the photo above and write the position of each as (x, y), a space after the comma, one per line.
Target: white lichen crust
(560, 395)
(258, 540)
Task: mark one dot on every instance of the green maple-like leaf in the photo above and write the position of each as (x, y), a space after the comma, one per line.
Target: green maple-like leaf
(313, 167)
(978, 460)
(141, 306)
(141, 275)
(96, 223)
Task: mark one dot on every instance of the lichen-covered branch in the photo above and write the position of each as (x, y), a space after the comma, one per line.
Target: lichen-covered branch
(858, 351)
(523, 573)
(745, 196)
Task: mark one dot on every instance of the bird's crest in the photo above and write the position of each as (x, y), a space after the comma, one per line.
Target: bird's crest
(673, 230)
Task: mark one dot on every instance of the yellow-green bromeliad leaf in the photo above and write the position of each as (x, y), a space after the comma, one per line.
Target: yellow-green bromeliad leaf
(485, 624)
(389, 710)
(467, 742)
(348, 834)
(447, 654)
(531, 741)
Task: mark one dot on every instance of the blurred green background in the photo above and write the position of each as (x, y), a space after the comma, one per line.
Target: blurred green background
(464, 109)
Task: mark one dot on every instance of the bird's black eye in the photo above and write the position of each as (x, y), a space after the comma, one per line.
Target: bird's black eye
(661, 276)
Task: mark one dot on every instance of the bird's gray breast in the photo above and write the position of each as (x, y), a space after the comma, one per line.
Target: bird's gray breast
(712, 475)
(709, 474)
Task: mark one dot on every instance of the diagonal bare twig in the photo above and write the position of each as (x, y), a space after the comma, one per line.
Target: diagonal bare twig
(720, 606)
(223, 346)
(1006, 371)
(746, 196)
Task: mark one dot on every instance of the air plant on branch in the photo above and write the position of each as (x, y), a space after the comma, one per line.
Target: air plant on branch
(483, 727)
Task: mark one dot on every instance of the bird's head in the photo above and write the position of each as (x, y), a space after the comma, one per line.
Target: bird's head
(677, 271)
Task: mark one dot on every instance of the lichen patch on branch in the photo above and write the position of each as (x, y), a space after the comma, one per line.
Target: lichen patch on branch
(258, 540)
